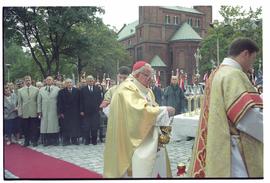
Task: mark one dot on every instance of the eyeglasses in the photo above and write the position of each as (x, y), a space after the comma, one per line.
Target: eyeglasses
(146, 75)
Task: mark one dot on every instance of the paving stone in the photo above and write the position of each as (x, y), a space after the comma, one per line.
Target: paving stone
(91, 157)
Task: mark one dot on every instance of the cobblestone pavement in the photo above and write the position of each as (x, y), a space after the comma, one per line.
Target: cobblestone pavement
(91, 157)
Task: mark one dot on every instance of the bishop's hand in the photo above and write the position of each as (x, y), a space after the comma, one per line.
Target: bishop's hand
(171, 110)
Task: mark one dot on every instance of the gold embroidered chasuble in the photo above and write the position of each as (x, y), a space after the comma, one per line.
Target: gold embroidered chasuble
(131, 119)
(228, 96)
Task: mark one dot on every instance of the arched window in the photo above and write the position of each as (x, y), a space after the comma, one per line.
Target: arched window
(198, 22)
(167, 19)
(190, 21)
(176, 20)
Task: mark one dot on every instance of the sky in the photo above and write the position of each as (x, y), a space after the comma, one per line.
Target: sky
(120, 12)
(114, 17)
(131, 14)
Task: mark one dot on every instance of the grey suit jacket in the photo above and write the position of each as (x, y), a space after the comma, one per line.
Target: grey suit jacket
(27, 102)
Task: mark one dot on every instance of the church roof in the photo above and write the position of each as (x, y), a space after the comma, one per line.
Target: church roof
(127, 30)
(184, 9)
(186, 32)
(157, 62)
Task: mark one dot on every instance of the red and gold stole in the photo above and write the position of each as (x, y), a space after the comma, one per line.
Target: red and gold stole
(198, 170)
(240, 106)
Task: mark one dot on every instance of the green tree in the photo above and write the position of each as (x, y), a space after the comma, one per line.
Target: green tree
(44, 30)
(237, 23)
(94, 49)
(21, 63)
(66, 40)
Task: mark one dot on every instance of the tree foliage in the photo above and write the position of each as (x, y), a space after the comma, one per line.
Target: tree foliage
(95, 50)
(62, 39)
(21, 63)
(237, 23)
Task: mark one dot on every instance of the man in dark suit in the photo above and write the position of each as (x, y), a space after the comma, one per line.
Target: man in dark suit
(90, 99)
(68, 106)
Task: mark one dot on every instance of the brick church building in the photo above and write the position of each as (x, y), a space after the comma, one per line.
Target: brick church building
(167, 37)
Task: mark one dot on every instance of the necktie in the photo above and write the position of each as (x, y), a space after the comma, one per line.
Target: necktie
(28, 91)
(49, 89)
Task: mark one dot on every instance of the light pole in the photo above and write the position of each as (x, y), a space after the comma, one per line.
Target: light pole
(8, 66)
(197, 56)
(217, 49)
(214, 25)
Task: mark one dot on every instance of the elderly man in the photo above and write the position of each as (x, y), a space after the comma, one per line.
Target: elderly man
(68, 106)
(90, 99)
(27, 110)
(131, 148)
(47, 108)
(229, 142)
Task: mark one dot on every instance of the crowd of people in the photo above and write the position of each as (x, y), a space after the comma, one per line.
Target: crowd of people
(53, 112)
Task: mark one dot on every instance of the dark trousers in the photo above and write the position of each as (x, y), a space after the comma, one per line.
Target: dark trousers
(91, 124)
(68, 140)
(50, 138)
(18, 125)
(61, 135)
(9, 127)
(30, 129)
(93, 133)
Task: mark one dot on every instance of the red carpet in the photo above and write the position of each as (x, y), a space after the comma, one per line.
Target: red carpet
(26, 163)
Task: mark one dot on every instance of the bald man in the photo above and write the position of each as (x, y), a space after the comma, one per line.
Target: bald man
(47, 109)
(90, 99)
(68, 106)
